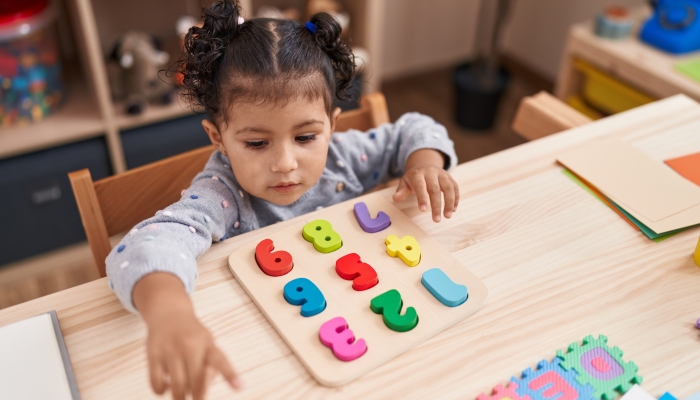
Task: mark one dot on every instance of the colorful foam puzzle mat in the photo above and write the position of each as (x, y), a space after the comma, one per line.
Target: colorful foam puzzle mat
(584, 371)
(346, 310)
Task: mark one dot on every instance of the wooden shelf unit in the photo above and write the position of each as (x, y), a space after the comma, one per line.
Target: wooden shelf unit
(629, 60)
(89, 111)
(77, 119)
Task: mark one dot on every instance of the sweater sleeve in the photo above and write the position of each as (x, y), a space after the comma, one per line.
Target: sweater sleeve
(381, 154)
(173, 239)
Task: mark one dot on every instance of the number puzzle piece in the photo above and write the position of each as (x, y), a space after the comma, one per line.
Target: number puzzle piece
(551, 382)
(443, 288)
(369, 224)
(274, 264)
(302, 292)
(406, 248)
(322, 235)
(600, 366)
(350, 267)
(335, 334)
(389, 304)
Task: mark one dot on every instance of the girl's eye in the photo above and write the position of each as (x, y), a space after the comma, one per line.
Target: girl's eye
(255, 145)
(305, 138)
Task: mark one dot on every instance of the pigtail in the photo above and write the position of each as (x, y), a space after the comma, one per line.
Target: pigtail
(204, 49)
(327, 36)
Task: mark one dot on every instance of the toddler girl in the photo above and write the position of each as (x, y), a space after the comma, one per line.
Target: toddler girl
(268, 87)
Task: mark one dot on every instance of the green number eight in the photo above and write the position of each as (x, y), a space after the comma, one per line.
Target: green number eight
(322, 235)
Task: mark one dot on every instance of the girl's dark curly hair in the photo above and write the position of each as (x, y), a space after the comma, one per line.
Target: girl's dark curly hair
(263, 60)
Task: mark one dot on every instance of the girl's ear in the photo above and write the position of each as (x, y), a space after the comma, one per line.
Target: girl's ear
(214, 135)
(334, 118)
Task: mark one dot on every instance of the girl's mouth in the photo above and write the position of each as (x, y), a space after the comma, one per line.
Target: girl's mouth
(285, 187)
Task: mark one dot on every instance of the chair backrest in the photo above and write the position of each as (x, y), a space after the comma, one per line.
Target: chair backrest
(117, 203)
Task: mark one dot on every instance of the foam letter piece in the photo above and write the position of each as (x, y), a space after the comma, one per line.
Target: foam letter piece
(406, 248)
(551, 382)
(302, 292)
(362, 275)
(274, 264)
(336, 335)
(600, 366)
(389, 304)
(696, 256)
(369, 224)
(443, 288)
(322, 235)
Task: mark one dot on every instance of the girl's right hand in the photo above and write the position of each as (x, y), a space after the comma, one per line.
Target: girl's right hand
(181, 351)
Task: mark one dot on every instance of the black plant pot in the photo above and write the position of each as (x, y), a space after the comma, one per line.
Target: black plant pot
(477, 95)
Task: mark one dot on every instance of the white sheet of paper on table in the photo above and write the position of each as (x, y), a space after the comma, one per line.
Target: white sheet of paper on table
(31, 364)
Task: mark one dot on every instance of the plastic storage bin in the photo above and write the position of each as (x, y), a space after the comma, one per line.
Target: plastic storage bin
(155, 142)
(30, 69)
(38, 212)
(606, 93)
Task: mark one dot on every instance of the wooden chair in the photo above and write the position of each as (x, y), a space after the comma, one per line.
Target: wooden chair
(115, 204)
(543, 114)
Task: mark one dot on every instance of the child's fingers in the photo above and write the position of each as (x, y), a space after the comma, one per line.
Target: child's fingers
(178, 379)
(197, 375)
(456, 187)
(402, 191)
(157, 374)
(218, 361)
(435, 196)
(449, 193)
(421, 190)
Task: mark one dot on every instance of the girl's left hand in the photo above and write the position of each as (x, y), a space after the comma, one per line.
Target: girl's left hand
(429, 183)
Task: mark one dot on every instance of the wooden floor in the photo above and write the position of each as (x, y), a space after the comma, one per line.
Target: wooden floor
(432, 93)
(429, 93)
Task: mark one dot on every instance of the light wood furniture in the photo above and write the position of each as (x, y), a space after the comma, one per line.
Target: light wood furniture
(115, 204)
(383, 344)
(88, 29)
(543, 114)
(632, 61)
(558, 264)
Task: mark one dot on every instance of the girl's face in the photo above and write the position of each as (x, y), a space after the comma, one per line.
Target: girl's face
(277, 152)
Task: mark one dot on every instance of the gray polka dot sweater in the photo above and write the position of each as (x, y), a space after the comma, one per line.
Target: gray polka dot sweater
(215, 207)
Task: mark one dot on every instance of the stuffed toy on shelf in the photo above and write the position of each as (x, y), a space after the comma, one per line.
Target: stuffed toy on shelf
(136, 80)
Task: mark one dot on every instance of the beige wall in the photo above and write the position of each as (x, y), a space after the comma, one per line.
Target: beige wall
(420, 35)
(536, 32)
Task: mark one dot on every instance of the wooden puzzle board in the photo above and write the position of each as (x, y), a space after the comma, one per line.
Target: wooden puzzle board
(383, 344)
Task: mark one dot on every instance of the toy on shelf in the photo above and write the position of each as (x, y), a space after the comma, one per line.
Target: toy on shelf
(613, 23)
(674, 26)
(591, 370)
(137, 81)
(30, 66)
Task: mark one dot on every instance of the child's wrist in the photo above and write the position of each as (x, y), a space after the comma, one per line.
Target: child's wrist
(159, 295)
(429, 157)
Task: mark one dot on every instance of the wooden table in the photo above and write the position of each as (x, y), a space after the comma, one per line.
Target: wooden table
(647, 68)
(559, 265)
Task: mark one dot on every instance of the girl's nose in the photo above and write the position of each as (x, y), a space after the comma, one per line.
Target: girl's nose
(284, 160)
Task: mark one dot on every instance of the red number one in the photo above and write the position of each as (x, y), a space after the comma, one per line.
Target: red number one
(274, 264)
(350, 267)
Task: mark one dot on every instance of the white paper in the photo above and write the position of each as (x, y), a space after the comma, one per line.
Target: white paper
(31, 366)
